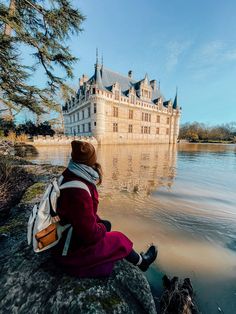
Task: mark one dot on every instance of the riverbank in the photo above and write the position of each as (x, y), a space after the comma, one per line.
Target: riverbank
(183, 141)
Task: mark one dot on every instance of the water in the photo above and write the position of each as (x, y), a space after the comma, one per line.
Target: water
(181, 198)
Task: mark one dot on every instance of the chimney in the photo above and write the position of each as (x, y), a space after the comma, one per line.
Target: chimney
(153, 83)
(130, 74)
(83, 79)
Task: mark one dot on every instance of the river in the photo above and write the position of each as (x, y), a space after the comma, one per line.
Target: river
(181, 198)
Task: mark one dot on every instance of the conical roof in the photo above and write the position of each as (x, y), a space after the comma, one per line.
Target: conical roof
(97, 76)
(175, 104)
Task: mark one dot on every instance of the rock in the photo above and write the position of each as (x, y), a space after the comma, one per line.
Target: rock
(31, 283)
(8, 148)
(23, 150)
(178, 297)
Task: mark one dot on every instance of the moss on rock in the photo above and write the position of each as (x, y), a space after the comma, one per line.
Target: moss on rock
(11, 226)
(34, 191)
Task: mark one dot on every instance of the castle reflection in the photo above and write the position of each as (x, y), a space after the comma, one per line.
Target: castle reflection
(137, 168)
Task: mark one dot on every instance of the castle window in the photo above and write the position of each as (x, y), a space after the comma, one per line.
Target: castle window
(82, 114)
(94, 90)
(78, 116)
(95, 123)
(157, 131)
(115, 111)
(158, 119)
(115, 127)
(146, 116)
(141, 129)
(167, 120)
(131, 113)
(167, 131)
(149, 117)
(94, 108)
(89, 112)
(89, 127)
(117, 95)
(132, 99)
(130, 128)
(78, 128)
(142, 116)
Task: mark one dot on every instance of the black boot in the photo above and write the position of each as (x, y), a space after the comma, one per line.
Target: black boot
(148, 258)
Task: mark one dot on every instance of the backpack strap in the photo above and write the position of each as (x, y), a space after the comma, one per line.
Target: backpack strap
(72, 184)
(75, 184)
(67, 242)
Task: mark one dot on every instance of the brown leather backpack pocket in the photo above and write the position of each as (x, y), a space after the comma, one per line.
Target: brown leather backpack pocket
(46, 236)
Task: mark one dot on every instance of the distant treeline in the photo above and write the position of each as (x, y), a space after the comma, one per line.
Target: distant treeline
(200, 132)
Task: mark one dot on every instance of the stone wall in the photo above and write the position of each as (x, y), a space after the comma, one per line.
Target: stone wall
(61, 140)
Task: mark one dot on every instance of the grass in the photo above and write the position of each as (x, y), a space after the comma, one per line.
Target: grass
(34, 191)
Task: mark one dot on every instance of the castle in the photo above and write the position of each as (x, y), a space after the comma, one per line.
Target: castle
(117, 109)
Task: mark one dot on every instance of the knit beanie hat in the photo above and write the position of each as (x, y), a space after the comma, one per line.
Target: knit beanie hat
(83, 153)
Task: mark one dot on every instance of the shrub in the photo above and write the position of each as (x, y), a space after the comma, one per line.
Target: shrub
(12, 137)
(22, 138)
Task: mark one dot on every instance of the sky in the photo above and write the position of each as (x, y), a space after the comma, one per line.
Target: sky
(186, 43)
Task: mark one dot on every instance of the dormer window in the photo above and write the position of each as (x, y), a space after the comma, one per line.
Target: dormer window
(132, 99)
(117, 95)
(145, 93)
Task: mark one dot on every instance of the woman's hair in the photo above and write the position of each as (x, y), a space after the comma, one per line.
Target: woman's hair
(97, 167)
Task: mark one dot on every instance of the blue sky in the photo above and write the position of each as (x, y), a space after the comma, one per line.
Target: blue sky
(186, 43)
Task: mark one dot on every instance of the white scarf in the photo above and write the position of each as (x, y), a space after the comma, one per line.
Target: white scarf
(83, 171)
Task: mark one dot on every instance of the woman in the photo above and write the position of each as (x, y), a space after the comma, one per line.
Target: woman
(93, 248)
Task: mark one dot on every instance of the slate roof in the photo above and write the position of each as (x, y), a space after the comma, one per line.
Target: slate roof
(109, 78)
(105, 78)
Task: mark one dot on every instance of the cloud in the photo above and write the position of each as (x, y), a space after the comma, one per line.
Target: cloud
(175, 50)
(210, 57)
(214, 53)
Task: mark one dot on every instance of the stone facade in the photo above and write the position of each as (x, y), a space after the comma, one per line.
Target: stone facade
(117, 109)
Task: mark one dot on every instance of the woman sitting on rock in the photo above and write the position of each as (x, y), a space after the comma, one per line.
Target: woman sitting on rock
(93, 248)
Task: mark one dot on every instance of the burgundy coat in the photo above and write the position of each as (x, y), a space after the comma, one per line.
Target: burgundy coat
(93, 251)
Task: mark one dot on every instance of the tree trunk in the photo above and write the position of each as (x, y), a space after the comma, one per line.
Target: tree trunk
(12, 8)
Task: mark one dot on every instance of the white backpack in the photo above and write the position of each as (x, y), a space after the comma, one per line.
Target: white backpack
(45, 221)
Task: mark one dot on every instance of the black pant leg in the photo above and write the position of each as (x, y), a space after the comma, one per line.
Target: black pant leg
(133, 257)
(107, 224)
